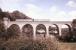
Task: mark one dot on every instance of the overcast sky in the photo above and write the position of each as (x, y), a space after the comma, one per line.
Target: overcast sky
(55, 10)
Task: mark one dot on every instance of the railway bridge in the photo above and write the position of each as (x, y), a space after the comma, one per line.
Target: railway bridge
(36, 26)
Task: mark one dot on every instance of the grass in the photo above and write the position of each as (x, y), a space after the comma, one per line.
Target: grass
(66, 46)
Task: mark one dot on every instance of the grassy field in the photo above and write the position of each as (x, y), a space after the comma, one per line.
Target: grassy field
(66, 46)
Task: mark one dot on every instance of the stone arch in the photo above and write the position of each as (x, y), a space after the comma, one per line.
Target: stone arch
(27, 30)
(54, 29)
(66, 32)
(66, 27)
(13, 31)
(14, 25)
(41, 30)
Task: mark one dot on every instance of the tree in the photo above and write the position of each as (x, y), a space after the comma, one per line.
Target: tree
(18, 15)
(13, 31)
(3, 14)
(0, 10)
(13, 16)
(74, 30)
(2, 30)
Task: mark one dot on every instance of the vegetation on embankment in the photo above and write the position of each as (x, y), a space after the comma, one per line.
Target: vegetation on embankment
(29, 44)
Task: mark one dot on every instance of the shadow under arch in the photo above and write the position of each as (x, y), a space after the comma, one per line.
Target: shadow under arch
(54, 30)
(27, 30)
(41, 30)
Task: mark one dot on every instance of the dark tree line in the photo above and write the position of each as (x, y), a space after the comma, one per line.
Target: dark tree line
(13, 16)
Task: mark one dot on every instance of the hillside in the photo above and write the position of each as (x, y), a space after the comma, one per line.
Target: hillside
(14, 15)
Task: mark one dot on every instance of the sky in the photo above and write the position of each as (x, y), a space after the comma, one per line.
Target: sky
(53, 10)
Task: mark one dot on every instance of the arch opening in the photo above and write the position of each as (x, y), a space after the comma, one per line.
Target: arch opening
(66, 32)
(13, 31)
(53, 29)
(27, 30)
(65, 29)
(40, 30)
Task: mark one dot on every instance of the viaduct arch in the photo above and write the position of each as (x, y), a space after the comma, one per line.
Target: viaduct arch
(27, 30)
(41, 30)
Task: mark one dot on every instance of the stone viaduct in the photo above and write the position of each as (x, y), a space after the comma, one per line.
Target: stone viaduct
(35, 22)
